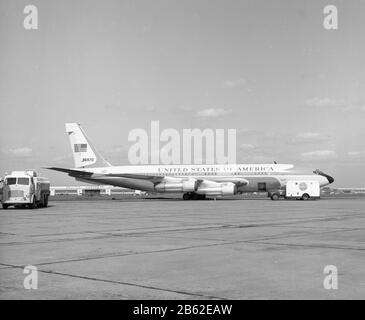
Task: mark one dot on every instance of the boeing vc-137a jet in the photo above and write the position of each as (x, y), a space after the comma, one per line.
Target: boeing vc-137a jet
(193, 181)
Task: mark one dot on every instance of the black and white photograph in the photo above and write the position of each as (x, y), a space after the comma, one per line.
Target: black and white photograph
(196, 152)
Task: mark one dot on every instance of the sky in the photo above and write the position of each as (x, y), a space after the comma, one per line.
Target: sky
(294, 91)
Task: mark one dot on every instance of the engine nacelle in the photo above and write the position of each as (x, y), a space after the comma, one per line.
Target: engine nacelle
(177, 186)
(217, 189)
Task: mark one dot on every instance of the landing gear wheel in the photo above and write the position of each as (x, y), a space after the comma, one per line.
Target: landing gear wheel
(5, 206)
(195, 196)
(305, 196)
(186, 196)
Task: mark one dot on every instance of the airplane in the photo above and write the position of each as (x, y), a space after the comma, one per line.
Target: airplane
(195, 182)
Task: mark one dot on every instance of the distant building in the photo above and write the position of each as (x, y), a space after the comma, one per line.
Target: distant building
(91, 190)
(328, 190)
(351, 190)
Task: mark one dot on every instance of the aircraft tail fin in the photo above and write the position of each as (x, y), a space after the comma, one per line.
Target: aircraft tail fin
(85, 155)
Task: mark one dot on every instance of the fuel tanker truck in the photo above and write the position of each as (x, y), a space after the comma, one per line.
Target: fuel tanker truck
(25, 189)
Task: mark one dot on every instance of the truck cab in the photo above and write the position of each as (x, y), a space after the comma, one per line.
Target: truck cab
(25, 189)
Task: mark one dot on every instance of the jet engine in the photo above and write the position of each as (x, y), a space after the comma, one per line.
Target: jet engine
(190, 185)
(211, 188)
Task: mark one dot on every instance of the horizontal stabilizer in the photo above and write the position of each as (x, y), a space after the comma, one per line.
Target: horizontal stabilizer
(72, 172)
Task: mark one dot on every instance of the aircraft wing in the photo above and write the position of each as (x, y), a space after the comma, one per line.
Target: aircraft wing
(152, 178)
(86, 174)
(236, 180)
(158, 179)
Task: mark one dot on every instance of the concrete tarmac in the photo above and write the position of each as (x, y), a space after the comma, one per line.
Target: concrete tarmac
(172, 249)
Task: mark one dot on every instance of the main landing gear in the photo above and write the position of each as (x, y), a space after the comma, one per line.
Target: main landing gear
(193, 196)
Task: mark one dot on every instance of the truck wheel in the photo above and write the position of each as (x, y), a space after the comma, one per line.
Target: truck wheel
(45, 201)
(34, 204)
(275, 196)
(40, 204)
(305, 196)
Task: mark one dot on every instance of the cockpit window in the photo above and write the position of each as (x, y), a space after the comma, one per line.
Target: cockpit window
(23, 181)
(10, 181)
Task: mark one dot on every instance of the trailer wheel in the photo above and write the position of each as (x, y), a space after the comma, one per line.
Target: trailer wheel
(305, 196)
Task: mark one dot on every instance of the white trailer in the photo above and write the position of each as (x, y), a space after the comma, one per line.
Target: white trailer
(302, 189)
(25, 189)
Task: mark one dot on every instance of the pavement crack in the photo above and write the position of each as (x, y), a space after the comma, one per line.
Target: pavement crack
(182, 292)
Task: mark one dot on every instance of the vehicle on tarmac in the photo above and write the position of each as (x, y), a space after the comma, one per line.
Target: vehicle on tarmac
(195, 182)
(297, 189)
(1, 188)
(25, 189)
